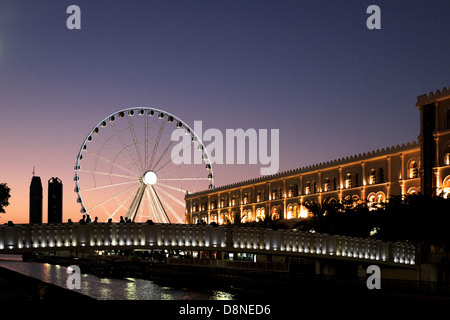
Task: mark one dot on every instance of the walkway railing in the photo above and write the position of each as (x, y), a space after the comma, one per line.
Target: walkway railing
(28, 238)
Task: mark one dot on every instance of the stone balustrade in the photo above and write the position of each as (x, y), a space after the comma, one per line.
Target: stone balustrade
(104, 236)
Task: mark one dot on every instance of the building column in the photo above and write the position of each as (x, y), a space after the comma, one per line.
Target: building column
(209, 208)
(363, 178)
(388, 192)
(402, 173)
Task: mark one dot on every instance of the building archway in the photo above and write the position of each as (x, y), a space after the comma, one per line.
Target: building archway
(292, 211)
(446, 187)
(246, 216)
(277, 212)
(260, 214)
(375, 200)
(412, 190)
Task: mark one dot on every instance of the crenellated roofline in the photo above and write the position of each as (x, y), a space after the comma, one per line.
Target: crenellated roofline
(319, 166)
(439, 95)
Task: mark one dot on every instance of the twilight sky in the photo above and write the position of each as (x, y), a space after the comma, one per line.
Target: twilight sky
(311, 69)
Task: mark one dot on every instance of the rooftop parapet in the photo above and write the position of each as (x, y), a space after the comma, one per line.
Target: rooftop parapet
(316, 167)
(439, 95)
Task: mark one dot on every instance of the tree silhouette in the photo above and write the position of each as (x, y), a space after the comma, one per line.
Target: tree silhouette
(319, 211)
(417, 218)
(4, 196)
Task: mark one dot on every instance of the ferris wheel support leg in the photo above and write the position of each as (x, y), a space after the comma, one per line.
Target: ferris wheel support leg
(160, 204)
(131, 213)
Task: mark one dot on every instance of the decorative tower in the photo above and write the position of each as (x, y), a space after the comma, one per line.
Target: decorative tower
(434, 142)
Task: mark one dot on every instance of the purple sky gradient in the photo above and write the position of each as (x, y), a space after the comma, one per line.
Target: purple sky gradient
(308, 68)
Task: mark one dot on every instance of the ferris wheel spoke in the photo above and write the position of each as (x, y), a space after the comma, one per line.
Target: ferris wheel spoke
(182, 179)
(110, 198)
(161, 128)
(167, 205)
(111, 162)
(151, 205)
(159, 204)
(163, 154)
(157, 207)
(171, 160)
(122, 140)
(134, 207)
(106, 142)
(181, 203)
(108, 174)
(136, 144)
(146, 143)
(172, 187)
(121, 205)
(109, 186)
(173, 170)
(167, 148)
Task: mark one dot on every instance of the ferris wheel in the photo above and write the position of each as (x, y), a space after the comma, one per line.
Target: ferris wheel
(133, 165)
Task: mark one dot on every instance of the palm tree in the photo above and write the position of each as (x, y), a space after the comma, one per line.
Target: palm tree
(4, 196)
(319, 210)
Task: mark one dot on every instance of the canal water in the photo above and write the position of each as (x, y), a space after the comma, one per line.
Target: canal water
(109, 288)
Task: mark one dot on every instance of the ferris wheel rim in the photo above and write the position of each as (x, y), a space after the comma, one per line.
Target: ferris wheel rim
(158, 111)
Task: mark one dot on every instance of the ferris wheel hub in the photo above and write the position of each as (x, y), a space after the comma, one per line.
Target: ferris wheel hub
(150, 177)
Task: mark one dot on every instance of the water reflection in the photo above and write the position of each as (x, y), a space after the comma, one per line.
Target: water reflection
(110, 288)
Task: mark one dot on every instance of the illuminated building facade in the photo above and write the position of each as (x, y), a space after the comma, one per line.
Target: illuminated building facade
(422, 166)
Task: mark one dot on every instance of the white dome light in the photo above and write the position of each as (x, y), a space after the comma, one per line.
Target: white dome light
(150, 177)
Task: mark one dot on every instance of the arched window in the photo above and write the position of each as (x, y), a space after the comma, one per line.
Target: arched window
(308, 187)
(348, 180)
(413, 170)
(381, 197)
(289, 212)
(295, 211)
(292, 211)
(260, 214)
(276, 213)
(326, 185)
(348, 202)
(372, 176)
(224, 218)
(446, 154)
(412, 190)
(381, 175)
(446, 187)
(246, 216)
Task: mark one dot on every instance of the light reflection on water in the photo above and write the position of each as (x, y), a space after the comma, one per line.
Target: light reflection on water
(109, 288)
